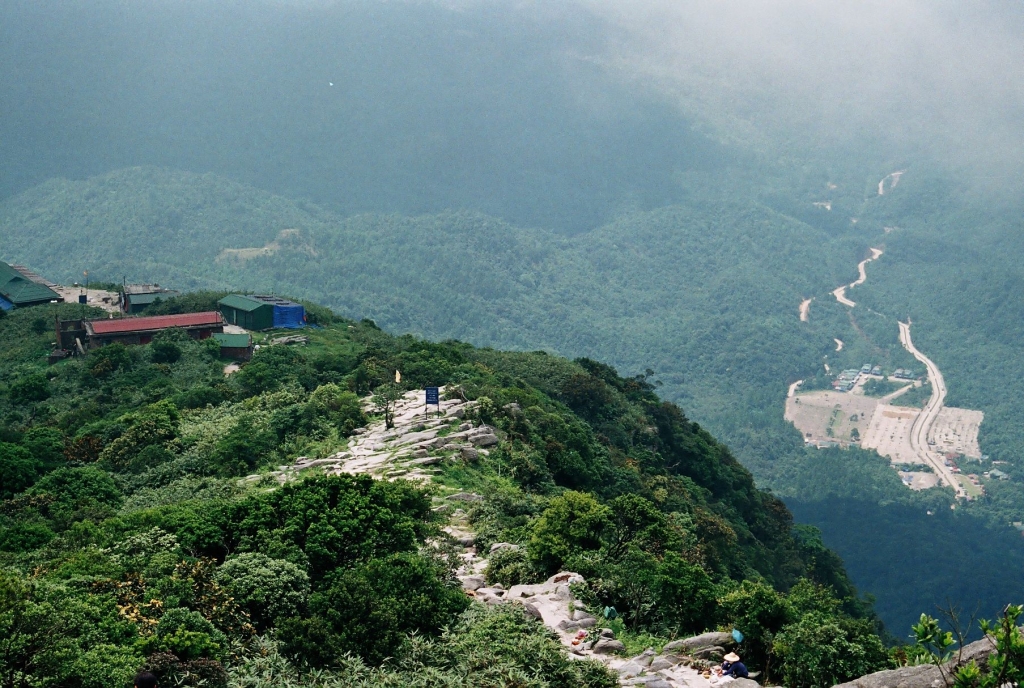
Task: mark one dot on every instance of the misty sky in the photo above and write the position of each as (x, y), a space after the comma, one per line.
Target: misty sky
(526, 110)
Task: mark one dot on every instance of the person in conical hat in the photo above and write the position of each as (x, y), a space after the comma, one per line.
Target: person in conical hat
(733, 667)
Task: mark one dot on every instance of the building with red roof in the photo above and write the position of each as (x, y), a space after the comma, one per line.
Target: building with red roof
(97, 333)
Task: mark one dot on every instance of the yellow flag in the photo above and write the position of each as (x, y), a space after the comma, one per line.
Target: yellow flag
(398, 376)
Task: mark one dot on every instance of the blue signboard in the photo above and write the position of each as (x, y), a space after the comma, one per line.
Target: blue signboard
(433, 397)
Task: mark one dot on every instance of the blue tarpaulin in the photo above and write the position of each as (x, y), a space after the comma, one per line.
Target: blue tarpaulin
(5, 305)
(289, 315)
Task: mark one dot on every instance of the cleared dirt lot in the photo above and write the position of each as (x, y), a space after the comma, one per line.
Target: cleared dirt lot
(888, 433)
(917, 480)
(956, 430)
(814, 413)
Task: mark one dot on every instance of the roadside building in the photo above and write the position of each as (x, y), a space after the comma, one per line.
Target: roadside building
(236, 346)
(19, 290)
(998, 474)
(92, 334)
(256, 312)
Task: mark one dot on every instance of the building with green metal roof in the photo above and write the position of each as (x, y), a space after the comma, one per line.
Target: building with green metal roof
(18, 291)
(261, 312)
(247, 312)
(237, 346)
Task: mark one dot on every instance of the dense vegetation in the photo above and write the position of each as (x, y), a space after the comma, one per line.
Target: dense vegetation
(127, 539)
(704, 293)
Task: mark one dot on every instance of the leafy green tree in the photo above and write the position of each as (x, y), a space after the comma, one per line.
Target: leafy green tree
(166, 346)
(29, 390)
(24, 537)
(187, 635)
(152, 425)
(74, 487)
(266, 588)
(686, 595)
(384, 398)
(821, 650)
(247, 445)
(46, 445)
(574, 522)
(759, 612)
(18, 469)
(369, 610)
(510, 566)
(333, 521)
(339, 408)
(107, 360)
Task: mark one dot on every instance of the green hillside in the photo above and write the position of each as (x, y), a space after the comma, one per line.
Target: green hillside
(128, 540)
(705, 294)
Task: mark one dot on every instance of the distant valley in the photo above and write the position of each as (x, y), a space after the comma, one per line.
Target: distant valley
(701, 292)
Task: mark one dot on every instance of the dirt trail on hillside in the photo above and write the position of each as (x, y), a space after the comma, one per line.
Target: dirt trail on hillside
(840, 292)
(894, 176)
(805, 310)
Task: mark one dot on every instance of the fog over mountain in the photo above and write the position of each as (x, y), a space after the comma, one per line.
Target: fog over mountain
(652, 184)
(946, 77)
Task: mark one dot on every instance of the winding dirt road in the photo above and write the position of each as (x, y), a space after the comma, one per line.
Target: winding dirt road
(805, 310)
(840, 292)
(924, 421)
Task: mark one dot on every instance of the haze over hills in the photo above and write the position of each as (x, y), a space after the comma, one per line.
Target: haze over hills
(705, 294)
(634, 186)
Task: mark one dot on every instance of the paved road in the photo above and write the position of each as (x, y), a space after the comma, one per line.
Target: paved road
(923, 423)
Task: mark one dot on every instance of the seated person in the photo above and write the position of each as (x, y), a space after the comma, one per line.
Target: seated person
(732, 666)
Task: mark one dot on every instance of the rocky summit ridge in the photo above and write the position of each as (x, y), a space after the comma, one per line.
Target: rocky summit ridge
(421, 438)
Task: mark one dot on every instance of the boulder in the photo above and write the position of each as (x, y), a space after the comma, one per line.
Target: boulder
(566, 625)
(469, 454)
(484, 440)
(714, 639)
(562, 594)
(925, 675)
(921, 676)
(579, 615)
(533, 611)
(587, 623)
(420, 454)
(607, 633)
(659, 683)
(472, 582)
(502, 545)
(744, 683)
(465, 497)
(663, 662)
(630, 669)
(458, 413)
(645, 657)
(713, 653)
(607, 646)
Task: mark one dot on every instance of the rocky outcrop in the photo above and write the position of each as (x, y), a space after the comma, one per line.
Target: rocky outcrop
(925, 675)
(720, 640)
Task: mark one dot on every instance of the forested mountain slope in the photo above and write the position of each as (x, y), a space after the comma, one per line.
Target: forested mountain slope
(704, 293)
(127, 538)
